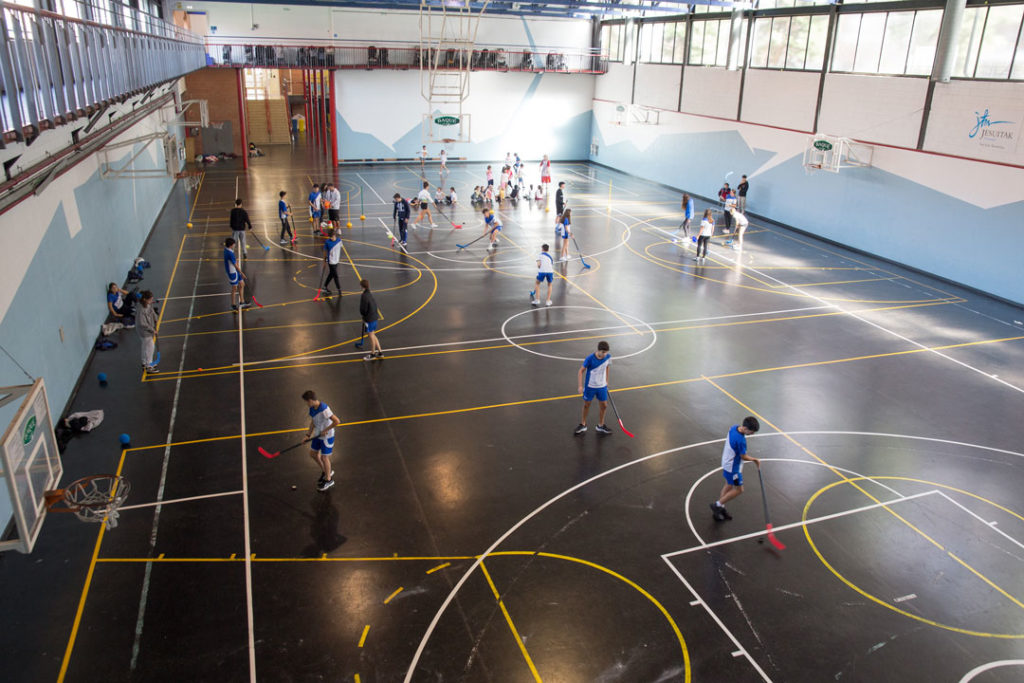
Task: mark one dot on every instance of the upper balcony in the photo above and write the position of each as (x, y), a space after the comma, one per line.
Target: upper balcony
(237, 53)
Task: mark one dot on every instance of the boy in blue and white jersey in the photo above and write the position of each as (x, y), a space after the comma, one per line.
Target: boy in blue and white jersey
(315, 208)
(235, 275)
(321, 437)
(284, 212)
(332, 254)
(733, 454)
(593, 381)
(545, 271)
(493, 224)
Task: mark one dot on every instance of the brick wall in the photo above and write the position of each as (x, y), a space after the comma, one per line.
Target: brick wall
(219, 87)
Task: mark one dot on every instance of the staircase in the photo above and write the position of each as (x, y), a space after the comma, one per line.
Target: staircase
(269, 123)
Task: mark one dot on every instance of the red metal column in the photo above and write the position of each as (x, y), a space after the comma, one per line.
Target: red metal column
(334, 118)
(323, 109)
(241, 119)
(305, 97)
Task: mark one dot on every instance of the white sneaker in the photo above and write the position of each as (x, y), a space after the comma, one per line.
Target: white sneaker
(433, 225)
(284, 242)
(548, 302)
(535, 302)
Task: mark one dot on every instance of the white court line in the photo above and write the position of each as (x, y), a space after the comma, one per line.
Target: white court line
(714, 617)
(196, 296)
(983, 521)
(797, 525)
(144, 594)
(371, 189)
(536, 334)
(465, 577)
(245, 503)
(600, 182)
(860, 318)
(178, 500)
(815, 463)
(397, 239)
(973, 673)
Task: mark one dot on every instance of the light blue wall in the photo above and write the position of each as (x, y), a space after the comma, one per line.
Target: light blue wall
(866, 208)
(65, 281)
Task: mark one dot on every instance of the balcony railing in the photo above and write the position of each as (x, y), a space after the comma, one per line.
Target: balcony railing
(400, 56)
(55, 68)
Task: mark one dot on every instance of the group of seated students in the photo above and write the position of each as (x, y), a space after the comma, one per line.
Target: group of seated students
(485, 194)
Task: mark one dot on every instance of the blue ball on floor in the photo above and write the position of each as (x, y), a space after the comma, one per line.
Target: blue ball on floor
(266, 248)
(125, 439)
(102, 377)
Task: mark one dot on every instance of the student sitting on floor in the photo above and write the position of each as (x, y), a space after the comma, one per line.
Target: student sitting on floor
(452, 198)
(121, 305)
(540, 193)
(439, 196)
(477, 196)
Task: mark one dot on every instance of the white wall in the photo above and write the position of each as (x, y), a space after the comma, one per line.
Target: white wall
(956, 107)
(617, 84)
(657, 85)
(881, 109)
(711, 90)
(294, 22)
(780, 98)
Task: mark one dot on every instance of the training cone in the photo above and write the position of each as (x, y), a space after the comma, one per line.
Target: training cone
(188, 225)
(362, 218)
(349, 224)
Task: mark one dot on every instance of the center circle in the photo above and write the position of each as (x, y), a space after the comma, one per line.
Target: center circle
(622, 318)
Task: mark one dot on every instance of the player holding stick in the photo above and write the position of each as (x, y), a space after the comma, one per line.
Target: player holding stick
(593, 381)
(545, 271)
(321, 423)
(733, 455)
(493, 224)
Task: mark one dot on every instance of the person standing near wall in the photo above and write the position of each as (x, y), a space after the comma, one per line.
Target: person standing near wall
(741, 191)
(146, 326)
(730, 204)
(687, 206)
(239, 220)
(741, 227)
(545, 173)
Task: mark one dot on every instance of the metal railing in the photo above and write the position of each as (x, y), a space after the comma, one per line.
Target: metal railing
(401, 56)
(55, 68)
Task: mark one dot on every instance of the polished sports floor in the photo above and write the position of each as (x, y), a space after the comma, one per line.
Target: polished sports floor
(471, 536)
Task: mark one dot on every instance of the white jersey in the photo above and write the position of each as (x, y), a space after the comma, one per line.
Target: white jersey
(423, 155)
(452, 197)
(444, 156)
(547, 264)
(423, 197)
(322, 420)
(707, 228)
(741, 220)
(333, 252)
(730, 201)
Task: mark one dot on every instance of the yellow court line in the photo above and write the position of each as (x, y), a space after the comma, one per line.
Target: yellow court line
(852, 481)
(392, 596)
(665, 383)
(511, 625)
(233, 558)
(195, 200)
(362, 638)
(841, 282)
(85, 589)
(258, 329)
(167, 292)
(438, 567)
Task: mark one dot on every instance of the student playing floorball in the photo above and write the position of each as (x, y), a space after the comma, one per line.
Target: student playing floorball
(733, 455)
(321, 437)
(593, 381)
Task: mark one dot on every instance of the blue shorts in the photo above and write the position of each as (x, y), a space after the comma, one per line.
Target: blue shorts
(371, 327)
(600, 392)
(565, 234)
(324, 446)
(496, 228)
(541, 277)
(315, 214)
(733, 478)
(233, 278)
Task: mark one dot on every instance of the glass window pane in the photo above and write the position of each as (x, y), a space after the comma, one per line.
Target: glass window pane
(668, 43)
(759, 44)
(968, 41)
(896, 42)
(617, 36)
(645, 42)
(922, 42)
(722, 57)
(799, 27)
(697, 43)
(816, 42)
(679, 55)
(846, 42)
(777, 48)
(604, 38)
(657, 36)
(1018, 61)
(999, 41)
(869, 44)
(710, 42)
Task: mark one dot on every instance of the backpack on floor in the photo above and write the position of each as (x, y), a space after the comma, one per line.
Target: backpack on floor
(104, 344)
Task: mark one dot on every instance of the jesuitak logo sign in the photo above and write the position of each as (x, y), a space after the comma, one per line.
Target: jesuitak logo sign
(994, 134)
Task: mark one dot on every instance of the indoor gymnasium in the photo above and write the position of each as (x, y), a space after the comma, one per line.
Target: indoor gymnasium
(457, 341)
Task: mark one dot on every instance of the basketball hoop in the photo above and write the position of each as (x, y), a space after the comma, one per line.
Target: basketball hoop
(95, 498)
(448, 141)
(189, 179)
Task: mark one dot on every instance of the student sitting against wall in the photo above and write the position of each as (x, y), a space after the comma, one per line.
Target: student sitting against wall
(121, 306)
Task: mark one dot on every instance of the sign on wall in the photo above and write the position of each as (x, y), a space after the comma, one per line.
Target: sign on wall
(978, 120)
(994, 134)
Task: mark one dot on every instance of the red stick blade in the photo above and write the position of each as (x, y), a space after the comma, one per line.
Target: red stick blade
(458, 226)
(258, 304)
(317, 297)
(774, 541)
(626, 431)
(266, 454)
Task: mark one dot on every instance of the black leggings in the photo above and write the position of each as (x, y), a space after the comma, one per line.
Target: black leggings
(286, 227)
(702, 241)
(332, 274)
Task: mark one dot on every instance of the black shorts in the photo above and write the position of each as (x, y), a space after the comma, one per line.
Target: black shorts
(423, 206)
(334, 214)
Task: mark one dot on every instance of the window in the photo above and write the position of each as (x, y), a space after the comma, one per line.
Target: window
(611, 41)
(663, 42)
(999, 41)
(887, 42)
(709, 42)
(789, 42)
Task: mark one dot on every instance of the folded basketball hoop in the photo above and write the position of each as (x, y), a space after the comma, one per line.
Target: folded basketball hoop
(95, 498)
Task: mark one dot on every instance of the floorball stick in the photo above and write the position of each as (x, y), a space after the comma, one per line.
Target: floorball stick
(767, 520)
(619, 418)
